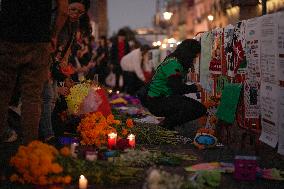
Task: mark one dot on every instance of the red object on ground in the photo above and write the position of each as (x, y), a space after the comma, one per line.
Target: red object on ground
(104, 108)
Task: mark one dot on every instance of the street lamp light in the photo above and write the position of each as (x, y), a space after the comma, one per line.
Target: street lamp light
(167, 15)
(210, 17)
(159, 43)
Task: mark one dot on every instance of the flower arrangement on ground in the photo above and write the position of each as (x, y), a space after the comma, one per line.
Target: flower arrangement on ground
(77, 95)
(37, 164)
(42, 164)
(95, 127)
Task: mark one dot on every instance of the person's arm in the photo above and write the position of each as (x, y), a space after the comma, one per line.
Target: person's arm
(61, 17)
(178, 87)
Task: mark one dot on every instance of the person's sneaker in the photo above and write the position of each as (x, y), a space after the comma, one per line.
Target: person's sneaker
(9, 136)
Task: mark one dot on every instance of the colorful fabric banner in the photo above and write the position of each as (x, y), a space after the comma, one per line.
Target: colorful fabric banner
(215, 66)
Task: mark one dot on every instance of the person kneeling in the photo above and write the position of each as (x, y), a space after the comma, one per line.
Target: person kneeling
(166, 89)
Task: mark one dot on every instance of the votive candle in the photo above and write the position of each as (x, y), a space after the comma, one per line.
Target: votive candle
(112, 140)
(131, 139)
(83, 182)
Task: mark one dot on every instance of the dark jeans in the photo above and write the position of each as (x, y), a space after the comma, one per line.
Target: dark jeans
(30, 62)
(176, 109)
(48, 102)
(131, 83)
(118, 72)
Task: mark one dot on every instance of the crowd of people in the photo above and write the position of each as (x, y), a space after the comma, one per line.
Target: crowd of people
(39, 84)
(46, 47)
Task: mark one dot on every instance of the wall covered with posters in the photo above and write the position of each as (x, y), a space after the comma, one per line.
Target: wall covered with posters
(251, 53)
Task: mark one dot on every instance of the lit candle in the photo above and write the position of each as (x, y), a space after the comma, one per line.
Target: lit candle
(112, 140)
(131, 139)
(73, 149)
(117, 92)
(110, 91)
(83, 182)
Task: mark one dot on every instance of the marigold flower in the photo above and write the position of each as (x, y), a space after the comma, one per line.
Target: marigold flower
(110, 119)
(124, 132)
(56, 168)
(42, 180)
(94, 128)
(14, 178)
(117, 122)
(129, 123)
(65, 151)
(67, 179)
(35, 163)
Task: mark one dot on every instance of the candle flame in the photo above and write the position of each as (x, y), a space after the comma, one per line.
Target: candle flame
(112, 135)
(82, 176)
(131, 137)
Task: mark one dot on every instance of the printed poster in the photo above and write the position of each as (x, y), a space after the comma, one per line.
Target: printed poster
(269, 113)
(281, 122)
(252, 82)
(205, 77)
(281, 48)
(269, 36)
(281, 82)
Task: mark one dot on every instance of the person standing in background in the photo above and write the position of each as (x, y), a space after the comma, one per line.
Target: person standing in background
(25, 38)
(52, 88)
(131, 65)
(119, 49)
(102, 59)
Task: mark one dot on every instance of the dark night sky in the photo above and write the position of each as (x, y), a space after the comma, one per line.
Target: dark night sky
(133, 13)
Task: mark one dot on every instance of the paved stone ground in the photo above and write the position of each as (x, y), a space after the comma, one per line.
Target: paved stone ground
(268, 158)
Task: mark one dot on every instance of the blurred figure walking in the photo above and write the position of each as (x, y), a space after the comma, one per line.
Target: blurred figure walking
(119, 49)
